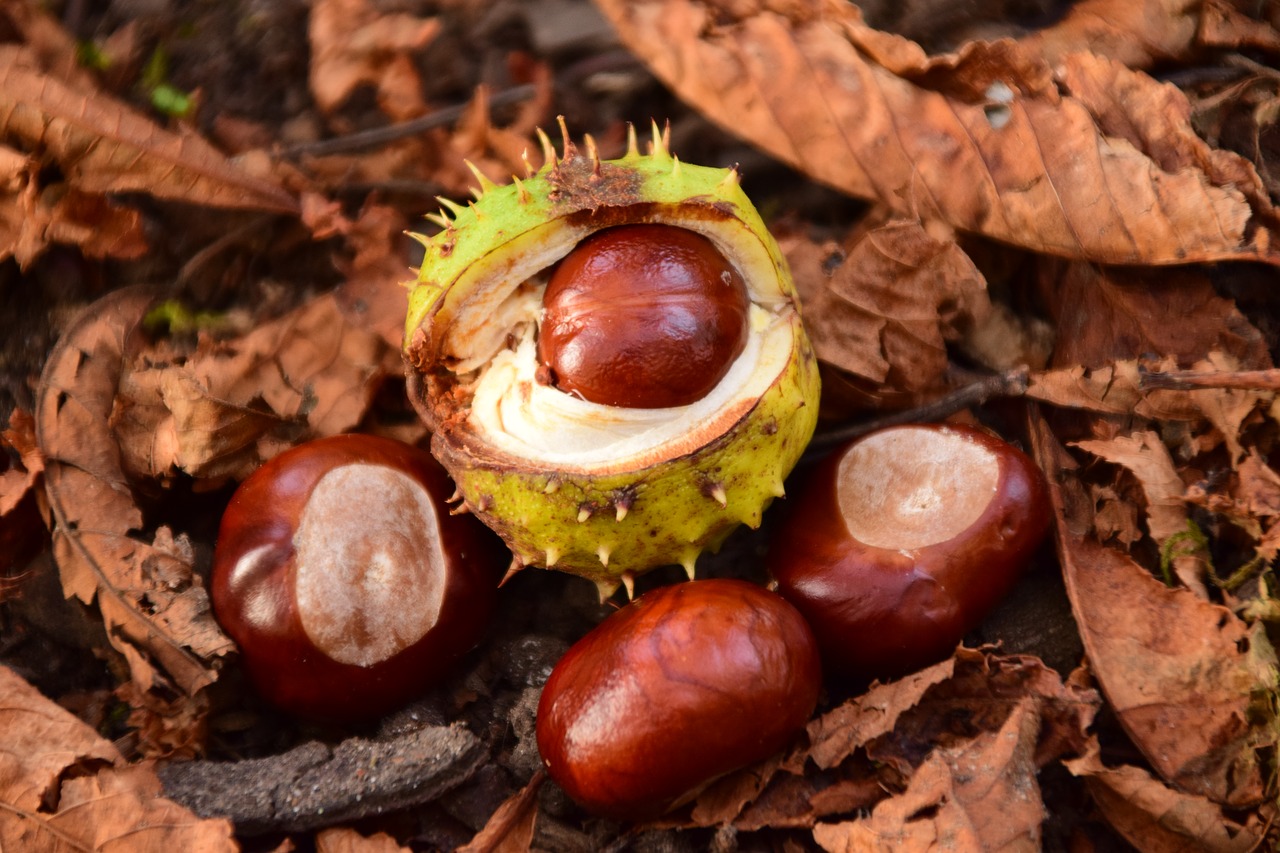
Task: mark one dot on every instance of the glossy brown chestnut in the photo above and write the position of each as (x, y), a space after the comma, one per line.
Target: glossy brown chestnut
(642, 316)
(344, 579)
(683, 685)
(901, 542)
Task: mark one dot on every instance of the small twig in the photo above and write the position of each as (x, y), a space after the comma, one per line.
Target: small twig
(382, 135)
(1251, 65)
(1009, 384)
(1190, 380)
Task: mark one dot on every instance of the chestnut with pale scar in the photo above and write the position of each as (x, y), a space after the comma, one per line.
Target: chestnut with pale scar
(344, 579)
(901, 542)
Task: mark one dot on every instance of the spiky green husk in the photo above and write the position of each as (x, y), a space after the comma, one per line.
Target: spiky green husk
(605, 526)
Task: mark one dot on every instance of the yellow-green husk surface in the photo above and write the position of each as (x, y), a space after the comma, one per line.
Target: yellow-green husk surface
(605, 522)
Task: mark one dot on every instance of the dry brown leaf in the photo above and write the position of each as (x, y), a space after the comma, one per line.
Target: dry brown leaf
(510, 828)
(155, 608)
(222, 411)
(1104, 315)
(1168, 29)
(498, 152)
(1174, 667)
(834, 736)
(982, 693)
(1251, 501)
(1228, 409)
(1145, 455)
(870, 743)
(38, 743)
(16, 482)
(30, 220)
(1156, 119)
(342, 839)
(799, 802)
(1016, 160)
(59, 791)
(1222, 26)
(354, 43)
(102, 146)
(979, 796)
(373, 294)
(1116, 518)
(118, 809)
(57, 50)
(777, 792)
(1155, 818)
(1120, 389)
(885, 307)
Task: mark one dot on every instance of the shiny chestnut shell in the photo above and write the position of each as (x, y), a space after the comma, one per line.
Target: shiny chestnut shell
(683, 685)
(642, 316)
(901, 542)
(344, 580)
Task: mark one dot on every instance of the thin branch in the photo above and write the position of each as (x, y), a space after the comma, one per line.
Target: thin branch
(1189, 380)
(1010, 384)
(382, 135)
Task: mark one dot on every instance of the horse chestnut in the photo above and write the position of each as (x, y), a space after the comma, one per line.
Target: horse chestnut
(344, 579)
(683, 685)
(642, 316)
(902, 541)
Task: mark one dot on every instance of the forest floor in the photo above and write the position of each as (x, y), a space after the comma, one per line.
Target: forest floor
(1055, 220)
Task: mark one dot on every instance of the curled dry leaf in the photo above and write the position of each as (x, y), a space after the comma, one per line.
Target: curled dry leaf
(979, 795)
(221, 411)
(62, 786)
(1105, 314)
(510, 828)
(885, 306)
(57, 50)
(1176, 669)
(102, 146)
(1044, 168)
(868, 745)
(30, 220)
(39, 742)
(1106, 28)
(498, 152)
(1250, 500)
(372, 293)
(354, 43)
(1147, 458)
(156, 610)
(343, 839)
(1222, 25)
(20, 472)
(22, 530)
(1158, 819)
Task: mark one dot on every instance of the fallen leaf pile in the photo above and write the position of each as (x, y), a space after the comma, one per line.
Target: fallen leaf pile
(1065, 228)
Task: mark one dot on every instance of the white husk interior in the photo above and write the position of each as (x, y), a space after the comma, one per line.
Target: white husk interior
(520, 416)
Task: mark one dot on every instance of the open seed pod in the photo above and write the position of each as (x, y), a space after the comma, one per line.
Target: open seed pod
(595, 487)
